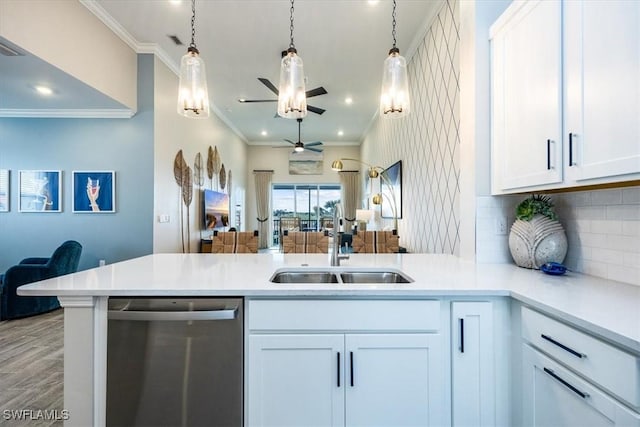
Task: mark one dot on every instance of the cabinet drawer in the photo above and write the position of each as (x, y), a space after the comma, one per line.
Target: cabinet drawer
(604, 364)
(352, 315)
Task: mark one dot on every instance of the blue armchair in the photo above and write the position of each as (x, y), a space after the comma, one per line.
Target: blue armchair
(64, 260)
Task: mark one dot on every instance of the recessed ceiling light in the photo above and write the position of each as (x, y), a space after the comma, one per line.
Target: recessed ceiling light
(175, 2)
(372, 2)
(263, 133)
(340, 133)
(43, 90)
(348, 100)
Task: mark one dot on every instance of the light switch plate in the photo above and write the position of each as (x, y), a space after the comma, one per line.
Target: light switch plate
(501, 226)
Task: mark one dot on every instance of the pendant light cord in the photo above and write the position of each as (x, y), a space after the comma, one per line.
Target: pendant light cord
(393, 24)
(193, 24)
(291, 45)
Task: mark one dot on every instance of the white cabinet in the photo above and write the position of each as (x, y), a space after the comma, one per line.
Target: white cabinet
(571, 378)
(565, 94)
(602, 84)
(473, 371)
(294, 380)
(554, 397)
(309, 370)
(527, 96)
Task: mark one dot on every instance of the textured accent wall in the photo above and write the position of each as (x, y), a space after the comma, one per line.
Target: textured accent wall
(427, 141)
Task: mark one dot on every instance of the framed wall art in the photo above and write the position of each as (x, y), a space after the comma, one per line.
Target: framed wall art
(391, 190)
(4, 190)
(40, 191)
(94, 191)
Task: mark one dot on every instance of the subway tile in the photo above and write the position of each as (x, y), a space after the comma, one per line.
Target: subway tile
(595, 268)
(488, 212)
(623, 243)
(590, 212)
(624, 274)
(631, 259)
(631, 196)
(631, 228)
(623, 212)
(488, 202)
(606, 226)
(610, 256)
(606, 197)
(594, 240)
(581, 198)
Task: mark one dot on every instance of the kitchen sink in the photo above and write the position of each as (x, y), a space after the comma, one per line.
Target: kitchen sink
(291, 276)
(340, 275)
(374, 277)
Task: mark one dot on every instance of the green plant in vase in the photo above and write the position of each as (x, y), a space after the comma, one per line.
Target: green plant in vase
(537, 237)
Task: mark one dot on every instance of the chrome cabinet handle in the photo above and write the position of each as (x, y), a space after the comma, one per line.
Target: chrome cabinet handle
(564, 347)
(548, 154)
(571, 149)
(566, 384)
(173, 316)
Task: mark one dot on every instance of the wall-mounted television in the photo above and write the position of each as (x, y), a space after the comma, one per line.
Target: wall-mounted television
(215, 209)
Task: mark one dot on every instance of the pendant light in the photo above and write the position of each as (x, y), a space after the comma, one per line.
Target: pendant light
(292, 98)
(193, 97)
(394, 97)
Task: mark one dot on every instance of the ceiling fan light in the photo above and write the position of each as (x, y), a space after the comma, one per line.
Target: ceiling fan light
(299, 147)
(394, 97)
(292, 98)
(337, 166)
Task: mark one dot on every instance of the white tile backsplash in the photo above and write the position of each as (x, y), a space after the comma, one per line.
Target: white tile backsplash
(602, 227)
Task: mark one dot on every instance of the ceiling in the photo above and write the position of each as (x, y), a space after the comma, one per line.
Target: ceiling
(343, 44)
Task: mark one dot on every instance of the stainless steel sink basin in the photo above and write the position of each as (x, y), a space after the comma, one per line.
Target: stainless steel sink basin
(374, 277)
(304, 277)
(340, 275)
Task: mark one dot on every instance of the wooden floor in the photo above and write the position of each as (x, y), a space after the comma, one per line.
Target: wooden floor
(31, 369)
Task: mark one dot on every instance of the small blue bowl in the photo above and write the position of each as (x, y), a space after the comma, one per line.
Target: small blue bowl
(553, 268)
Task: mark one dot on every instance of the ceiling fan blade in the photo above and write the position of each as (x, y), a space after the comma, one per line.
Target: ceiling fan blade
(311, 144)
(315, 109)
(317, 150)
(315, 92)
(268, 84)
(247, 101)
(290, 142)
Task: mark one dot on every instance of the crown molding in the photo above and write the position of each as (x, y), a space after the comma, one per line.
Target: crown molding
(70, 114)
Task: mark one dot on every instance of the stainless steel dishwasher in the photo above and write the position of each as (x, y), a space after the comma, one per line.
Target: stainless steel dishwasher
(175, 362)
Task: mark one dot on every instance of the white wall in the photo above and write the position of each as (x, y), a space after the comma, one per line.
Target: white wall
(173, 133)
(277, 159)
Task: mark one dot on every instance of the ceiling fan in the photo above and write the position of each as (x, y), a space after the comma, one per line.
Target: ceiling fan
(310, 93)
(299, 146)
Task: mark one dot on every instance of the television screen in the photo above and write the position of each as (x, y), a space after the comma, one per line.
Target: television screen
(215, 209)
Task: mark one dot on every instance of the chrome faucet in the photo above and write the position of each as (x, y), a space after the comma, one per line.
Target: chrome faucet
(337, 229)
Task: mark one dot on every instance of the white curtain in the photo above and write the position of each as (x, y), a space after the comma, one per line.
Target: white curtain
(263, 187)
(350, 196)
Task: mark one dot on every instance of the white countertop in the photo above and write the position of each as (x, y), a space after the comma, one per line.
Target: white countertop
(607, 308)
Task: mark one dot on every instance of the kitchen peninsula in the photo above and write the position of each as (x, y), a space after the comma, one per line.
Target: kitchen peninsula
(604, 312)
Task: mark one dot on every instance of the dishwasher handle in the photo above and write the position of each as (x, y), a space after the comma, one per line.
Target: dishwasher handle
(226, 314)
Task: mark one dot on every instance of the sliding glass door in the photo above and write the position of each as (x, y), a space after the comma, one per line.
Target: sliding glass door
(309, 202)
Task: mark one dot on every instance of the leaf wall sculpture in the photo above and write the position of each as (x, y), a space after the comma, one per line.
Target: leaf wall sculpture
(223, 177)
(216, 165)
(198, 173)
(178, 175)
(210, 165)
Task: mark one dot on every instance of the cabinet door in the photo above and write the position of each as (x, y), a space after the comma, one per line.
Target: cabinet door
(472, 367)
(296, 380)
(554, 397)
(602, 69)
(395, 380)
(527, 96)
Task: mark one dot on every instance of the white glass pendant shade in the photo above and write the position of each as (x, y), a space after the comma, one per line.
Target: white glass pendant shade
(193, 97)
(394, 97)
(292, 97)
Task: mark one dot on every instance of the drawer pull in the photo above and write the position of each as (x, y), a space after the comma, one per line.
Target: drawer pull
(351, 363)
(461, 335)
(548, 154)
(338, 369)
(566, 384)
(564, 347)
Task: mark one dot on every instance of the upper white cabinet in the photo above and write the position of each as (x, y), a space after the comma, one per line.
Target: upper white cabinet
(527, 96)
(602, 88)
(565, 94)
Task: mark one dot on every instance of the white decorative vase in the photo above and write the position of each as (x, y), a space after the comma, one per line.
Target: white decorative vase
(535, 242)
